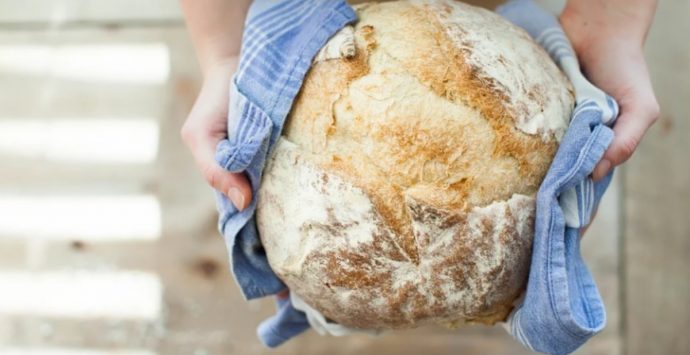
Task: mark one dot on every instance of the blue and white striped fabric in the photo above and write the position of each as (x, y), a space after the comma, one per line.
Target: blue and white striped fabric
(280, 39)
(577, 202)
(561, 308)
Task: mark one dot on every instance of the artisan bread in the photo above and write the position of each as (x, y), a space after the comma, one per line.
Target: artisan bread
(402, 191)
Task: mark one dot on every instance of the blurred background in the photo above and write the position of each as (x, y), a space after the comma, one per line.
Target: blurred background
(108, 240)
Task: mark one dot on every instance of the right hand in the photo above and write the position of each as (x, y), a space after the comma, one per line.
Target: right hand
(206, 125)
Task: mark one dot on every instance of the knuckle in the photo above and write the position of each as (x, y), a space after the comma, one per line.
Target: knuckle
(237, 177)
(653, 111)
(211, 176)
(187, 134)
(649, 109)
(626, 148)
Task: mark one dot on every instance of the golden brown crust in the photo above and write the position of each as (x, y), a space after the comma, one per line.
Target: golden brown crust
(429, 139)
(346, 262)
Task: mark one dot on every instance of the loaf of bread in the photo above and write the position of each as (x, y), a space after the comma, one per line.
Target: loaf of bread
(402, 191)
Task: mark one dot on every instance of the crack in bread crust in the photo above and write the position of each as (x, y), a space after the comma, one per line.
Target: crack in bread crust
(402, 190)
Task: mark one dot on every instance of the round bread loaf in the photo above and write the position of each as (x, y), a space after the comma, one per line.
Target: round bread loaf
(402, 191)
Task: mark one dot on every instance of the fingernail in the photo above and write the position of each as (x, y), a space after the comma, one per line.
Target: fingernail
(236, 197)
(601, 170)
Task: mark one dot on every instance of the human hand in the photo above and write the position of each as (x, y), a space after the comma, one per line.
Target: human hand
(206, 125)
(612, 58)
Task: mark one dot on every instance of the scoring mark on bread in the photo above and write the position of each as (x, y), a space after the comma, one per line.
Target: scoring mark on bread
(437, 248)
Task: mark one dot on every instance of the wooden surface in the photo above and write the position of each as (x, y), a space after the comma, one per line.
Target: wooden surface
(40, 13)
(657, 196)
(202, 309)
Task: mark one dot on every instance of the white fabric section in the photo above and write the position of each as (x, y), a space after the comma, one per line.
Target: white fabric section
(512, 326)
(323, 326)
(568, 203)
(583, 88)
(341, 45)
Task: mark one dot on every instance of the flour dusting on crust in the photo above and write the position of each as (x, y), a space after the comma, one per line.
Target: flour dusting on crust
(402, 189)
(333, 249)
(497, 54)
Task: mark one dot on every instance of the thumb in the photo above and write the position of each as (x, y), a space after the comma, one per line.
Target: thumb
(628, 132)
(234, 185)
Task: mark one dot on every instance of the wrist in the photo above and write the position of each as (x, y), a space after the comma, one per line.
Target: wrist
(213, 53)
(215, 28)
(590, 23)
(224, 66)
(591, 37)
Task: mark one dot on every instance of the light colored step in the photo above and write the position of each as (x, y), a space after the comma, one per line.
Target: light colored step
(60, 12)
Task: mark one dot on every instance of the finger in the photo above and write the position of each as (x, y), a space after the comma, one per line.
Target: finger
(628, 132)
(234, 185)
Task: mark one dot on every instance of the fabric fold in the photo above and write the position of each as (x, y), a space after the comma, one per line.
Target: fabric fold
(561, 308)
(279, 41)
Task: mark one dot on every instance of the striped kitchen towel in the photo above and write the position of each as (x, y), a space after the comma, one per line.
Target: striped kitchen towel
(279, 42)
(561, 307)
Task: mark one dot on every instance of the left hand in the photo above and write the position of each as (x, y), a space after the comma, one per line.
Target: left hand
(612, 58)
(608, 39)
